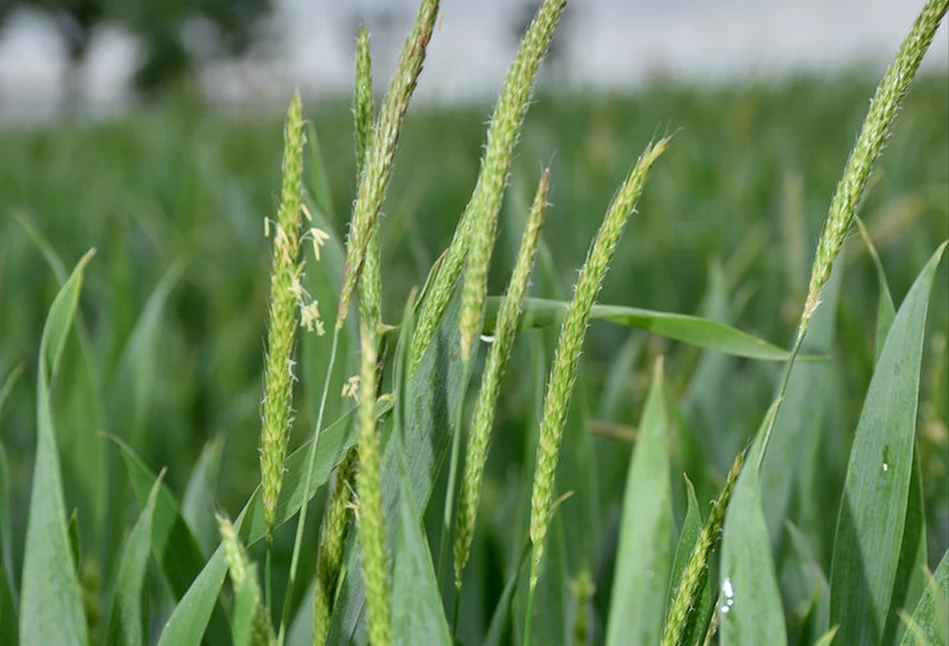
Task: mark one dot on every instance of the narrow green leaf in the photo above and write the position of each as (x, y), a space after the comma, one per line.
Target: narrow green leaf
(873, 510)
(751, 611)
(417, 613)
(128, 619)
(173, 544)
(190, 617)
(931, 616)
(318, 185)
(828, 638)
(539, 313)
(816, 620)
(910, 579)
(435, 390)
(198, 504)
(8, 614)
(691, 528)
(644, 556)
(9, 382)
(134, 382)
(72, 530)
(51, 609)
(500, 625)
(886, 310)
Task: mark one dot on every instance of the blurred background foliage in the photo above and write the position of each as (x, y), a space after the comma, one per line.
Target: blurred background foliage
(227, 28)
(169, 351)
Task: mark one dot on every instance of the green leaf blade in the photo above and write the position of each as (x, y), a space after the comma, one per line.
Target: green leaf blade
(705, 333)
(51, 610)
(126, 622)
(644, 557)
(874, 506)
(750, 601)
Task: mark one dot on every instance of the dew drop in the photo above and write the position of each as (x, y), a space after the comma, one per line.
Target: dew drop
(886, 467)
(487, 338)
(728, 596)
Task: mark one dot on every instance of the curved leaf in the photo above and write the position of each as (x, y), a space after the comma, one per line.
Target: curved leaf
(644, 556)
(51, 609)
(126, 622)
(539, 312)
(874, 506)
(750, 602)
(931, 616)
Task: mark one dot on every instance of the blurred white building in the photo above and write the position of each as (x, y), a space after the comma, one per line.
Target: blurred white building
(604, 44)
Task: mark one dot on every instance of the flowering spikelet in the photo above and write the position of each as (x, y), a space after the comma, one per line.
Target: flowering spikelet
(374, 178)
(480, 217)
(563, 373)
(876, 129)
(485, 204)
(490, 384)
(285, 277)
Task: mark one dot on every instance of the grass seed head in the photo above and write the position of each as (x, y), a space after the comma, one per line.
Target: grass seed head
(285, 279)
(483, 418)
(377, 167)
(563, 373)
(873, 135)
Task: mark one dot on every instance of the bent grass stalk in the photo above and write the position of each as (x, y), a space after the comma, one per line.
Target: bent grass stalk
(485, 204)
(333, 534)
(377, 168)
(483, 419)
(563, 373)
(494, 168)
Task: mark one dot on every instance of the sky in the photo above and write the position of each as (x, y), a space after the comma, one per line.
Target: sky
(604, 44)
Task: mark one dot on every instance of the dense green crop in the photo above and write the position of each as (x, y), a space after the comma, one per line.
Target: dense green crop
(524, 486)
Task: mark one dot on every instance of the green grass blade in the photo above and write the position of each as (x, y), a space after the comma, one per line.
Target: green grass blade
(51, 609)
(691, 528)
(198, 503)
(435, 389)
(175, 548)
(886, 310)
(873, 510)
(418, 616)
(539, 313)
(8, 614)
(127, 620)
(189, 620)
(816, 620)
(134, 382)
(318, 185)
(644, 556)
(827, 638)
(750, 611)
(910, 582)
(931, 616)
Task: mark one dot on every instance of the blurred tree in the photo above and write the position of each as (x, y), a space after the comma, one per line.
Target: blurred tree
(217, 27)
